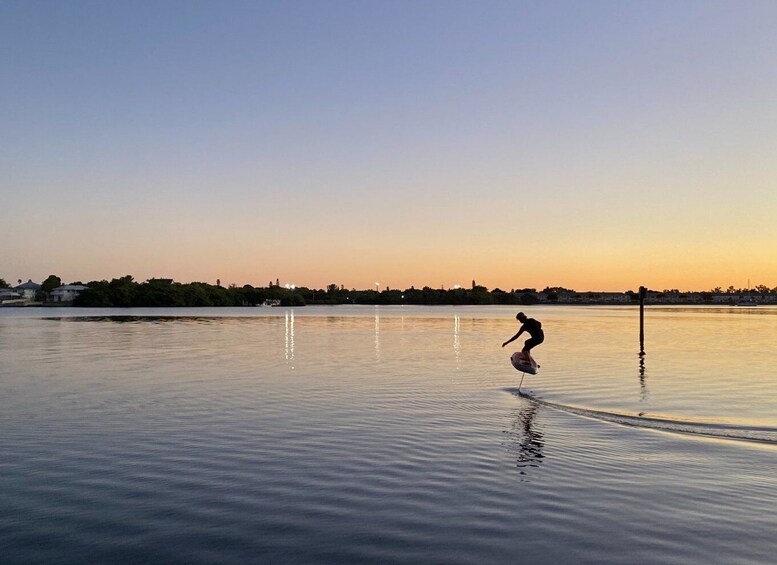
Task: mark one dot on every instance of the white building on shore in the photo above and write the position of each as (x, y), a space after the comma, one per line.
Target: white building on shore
(27, 291)
(66, 293)
(9, 295)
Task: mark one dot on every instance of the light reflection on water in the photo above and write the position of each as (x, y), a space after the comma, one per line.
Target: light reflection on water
(373, 433)
(289, 350)
(377, 333)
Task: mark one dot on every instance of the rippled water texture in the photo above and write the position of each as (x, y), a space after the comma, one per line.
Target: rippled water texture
(387, 434)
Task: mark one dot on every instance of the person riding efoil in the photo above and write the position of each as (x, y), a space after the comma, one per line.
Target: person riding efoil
(534, 329)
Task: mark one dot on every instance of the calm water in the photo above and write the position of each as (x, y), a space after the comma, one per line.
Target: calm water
(355, 434)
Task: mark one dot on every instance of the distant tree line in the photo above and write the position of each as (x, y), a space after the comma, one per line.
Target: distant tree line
(126, 292)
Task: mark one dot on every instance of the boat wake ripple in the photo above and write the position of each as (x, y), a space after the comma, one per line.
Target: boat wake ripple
(762, 434)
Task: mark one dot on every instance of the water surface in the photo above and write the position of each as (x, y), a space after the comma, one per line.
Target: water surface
(333, 434)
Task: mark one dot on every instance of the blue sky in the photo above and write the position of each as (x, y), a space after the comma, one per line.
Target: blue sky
(588, 144)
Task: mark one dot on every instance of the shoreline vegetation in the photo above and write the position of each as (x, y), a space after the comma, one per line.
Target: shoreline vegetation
(126, 292)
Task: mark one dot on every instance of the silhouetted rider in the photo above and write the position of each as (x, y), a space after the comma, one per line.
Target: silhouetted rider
(534, 329)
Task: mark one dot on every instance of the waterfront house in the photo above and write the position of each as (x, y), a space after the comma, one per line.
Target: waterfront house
(614, 297)
(569, 297)
(9, 295)
(28, 290)
(66, 293)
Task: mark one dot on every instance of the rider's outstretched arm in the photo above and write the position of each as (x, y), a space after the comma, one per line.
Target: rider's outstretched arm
(513, 338)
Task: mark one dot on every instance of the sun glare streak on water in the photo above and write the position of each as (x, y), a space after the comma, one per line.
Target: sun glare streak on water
(385, 434)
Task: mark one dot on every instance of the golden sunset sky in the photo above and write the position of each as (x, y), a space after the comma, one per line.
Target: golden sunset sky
(596, 146)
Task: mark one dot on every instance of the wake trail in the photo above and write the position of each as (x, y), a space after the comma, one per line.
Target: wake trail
(720, 430)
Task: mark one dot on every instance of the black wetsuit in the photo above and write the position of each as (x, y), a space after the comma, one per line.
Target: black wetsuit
(534, 329)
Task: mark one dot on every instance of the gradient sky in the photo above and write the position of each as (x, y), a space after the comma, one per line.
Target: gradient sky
(593, 145)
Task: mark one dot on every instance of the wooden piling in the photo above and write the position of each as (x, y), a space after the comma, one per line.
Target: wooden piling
(642, 294)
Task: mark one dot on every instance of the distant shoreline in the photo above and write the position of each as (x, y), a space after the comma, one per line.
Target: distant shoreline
(70, 305)
(126, 292)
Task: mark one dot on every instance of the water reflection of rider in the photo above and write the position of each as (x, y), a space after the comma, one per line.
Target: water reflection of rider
(529, 439)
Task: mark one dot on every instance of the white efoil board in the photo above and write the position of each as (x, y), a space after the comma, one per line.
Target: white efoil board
(517, 360)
